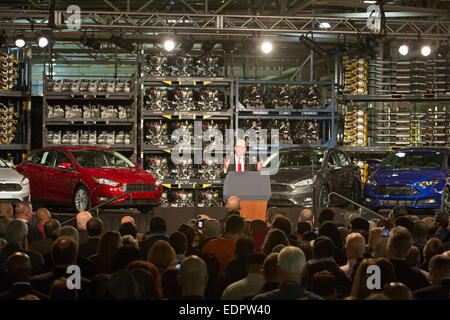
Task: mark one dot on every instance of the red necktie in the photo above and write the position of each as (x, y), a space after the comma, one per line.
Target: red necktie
(239, 165)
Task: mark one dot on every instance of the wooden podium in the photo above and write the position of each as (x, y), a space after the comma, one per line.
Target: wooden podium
(253, 190)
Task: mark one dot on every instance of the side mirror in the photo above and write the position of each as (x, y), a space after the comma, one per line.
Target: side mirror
(138, 164)
(64, 165)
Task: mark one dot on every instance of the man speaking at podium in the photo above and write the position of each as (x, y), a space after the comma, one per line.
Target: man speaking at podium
(241, 162)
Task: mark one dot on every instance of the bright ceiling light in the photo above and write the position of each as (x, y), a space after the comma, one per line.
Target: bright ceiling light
(266, 47)
(20, 41)
(169, 45)
(41, 40)
(325, 25)
(403, 50)
(426, 50)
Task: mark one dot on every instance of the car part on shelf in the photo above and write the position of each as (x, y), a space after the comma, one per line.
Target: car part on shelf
(210, 198)
(156, 133)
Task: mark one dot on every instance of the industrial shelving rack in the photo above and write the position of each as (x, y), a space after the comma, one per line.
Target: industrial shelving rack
(326, 114)
(20, 98)
(126, 98)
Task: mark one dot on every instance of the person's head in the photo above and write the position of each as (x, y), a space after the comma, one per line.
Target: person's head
(158, 225)
(122, 285)
(94, 227)
(128, 228)
(82, 218)
(429, 221)
(303, 227)
(439, 267)
(291, 262)
(193, 276)
(397, 291)
(42, 215)
(244, 247)
(124, 256)
(169, 284)
(420, 230)
(274, 238)
(441, 220)
(3, 224)
(272, 213)
(24, 210)
(109, 243)
(323, 248)
(283, 223)
(270, 268)
(359, 223)
(161, 255)
(386, 223)
(309, 236)
(145, 279)
(413, 257)
(233, 204)
(51, 228)
(355, 246)
(405, 221)
(254, 262)
(211, 229)
(188, 231)
(64, 251)
(323, 283)
(126, 219)
(149, 267)
(330, 230)
(6, 209)
(387, 270)
(360, 289)
(128, 240)
(240, 147)
(306, 215)
(433, 247)
(397, 212)
(19, 267)
(306, 248)
(234, 226)
(178, 241)
(343, 233)
(60, 291)
(70, 232)
(16, 232)
(325, 215)
(399, 243)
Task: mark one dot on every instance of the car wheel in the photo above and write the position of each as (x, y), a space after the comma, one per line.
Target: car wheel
(81, 199)
(445, 201)
(323, 197)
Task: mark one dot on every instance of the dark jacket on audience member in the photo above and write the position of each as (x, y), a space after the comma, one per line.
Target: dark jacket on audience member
(412, 277)
(90, 247)
(19, 290)
(34, 234)
(439, 291)
(43, 246)
(37, 262)
(288, 291)
(83, 236)
(145, 246)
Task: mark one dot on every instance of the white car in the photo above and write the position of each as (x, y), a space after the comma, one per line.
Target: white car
(13, 186)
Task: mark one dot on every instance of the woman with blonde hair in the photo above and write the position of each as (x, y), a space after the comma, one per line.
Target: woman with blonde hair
(360, 291)
(161, 255)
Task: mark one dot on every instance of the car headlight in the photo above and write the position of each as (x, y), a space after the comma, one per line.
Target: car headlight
(24, 181)
(105, 181)
(302, 183)
(428, 183)
(371, 182)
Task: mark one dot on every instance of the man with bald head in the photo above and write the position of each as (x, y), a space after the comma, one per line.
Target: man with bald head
(24, 212)
(306, 215)
(439, 267)
(233, 206)
(193, 278)
(397, 291)
(6, 210)
(82, 218)
(355, 247)
(125, 219)
(211, 231)
(19, 272)
(42, 216)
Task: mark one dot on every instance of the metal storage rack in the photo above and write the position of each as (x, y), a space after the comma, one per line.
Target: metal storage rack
(86, 123)
(326, 114)
(18, 98)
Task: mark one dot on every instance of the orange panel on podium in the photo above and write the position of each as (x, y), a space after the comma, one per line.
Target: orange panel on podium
(253, 209)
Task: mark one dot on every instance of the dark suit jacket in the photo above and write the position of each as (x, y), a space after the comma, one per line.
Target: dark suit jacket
(43, 246)
(90, 247)
(83, 235)
(439, 291)
(88, 267)
(34, 234)
(288, 291)
(412, 277)
(20, 290)
(233, 167)
(37, 262)
(43, 282)
(145, 246)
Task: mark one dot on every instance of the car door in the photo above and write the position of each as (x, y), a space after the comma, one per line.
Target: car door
(60, 179)
(347, 175)
(37, 173)
(335, 174)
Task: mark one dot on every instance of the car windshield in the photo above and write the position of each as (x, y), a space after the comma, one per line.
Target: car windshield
(3, 164)
(298, 158)
(414, 160)
(101, 159)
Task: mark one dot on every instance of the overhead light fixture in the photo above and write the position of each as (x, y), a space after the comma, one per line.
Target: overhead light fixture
(266, 47)
(403, 49)
(325, 25)
(425, 50)
(41, 40)
(124, 44)
(20, 41)
(169, 45)
(90, 42)
(313, 46)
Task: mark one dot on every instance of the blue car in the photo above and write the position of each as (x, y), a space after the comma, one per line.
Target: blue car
(412, 177)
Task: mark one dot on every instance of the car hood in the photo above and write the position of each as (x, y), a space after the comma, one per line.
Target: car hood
(125, 175)
(10, 175)
(289, 175)
(404, 176)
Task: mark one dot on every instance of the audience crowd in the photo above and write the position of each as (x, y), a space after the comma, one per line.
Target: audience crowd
(318, 259)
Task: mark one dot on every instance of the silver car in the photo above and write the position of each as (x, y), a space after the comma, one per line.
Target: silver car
(13, 186)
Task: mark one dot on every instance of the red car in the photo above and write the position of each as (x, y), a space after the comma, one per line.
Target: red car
(86, 176)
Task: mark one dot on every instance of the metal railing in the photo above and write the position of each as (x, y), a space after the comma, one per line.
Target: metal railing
(353, 202)
(101, 205)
